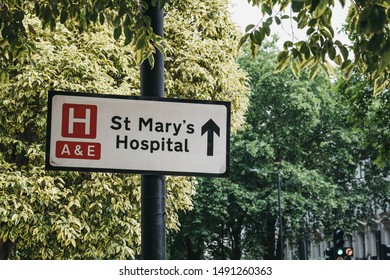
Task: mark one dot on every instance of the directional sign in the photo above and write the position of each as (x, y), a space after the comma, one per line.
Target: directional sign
(114, 133)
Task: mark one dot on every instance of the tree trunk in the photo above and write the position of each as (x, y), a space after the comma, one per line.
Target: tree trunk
(270, 240)
(235, 237)
(6, 249)
(191, 253)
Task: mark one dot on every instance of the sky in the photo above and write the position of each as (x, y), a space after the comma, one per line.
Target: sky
(244, 14)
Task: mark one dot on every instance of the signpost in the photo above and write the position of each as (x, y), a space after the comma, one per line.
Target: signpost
(149, 135)
(111, 133)
(153, 190)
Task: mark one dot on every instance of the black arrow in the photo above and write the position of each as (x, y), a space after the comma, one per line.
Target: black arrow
(210, 127)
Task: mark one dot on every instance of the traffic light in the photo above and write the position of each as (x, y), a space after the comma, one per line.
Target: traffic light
(348, 253)
(338, 244)
(329, 252)
(385, 252)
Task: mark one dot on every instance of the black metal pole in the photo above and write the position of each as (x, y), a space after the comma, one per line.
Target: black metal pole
(153, 236)
(152, 79)
(153, 192)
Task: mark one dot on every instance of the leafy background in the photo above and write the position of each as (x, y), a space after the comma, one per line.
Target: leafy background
(71, 215)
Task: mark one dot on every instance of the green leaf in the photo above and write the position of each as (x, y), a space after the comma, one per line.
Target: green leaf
(4, 76)
(282, 56)
(151, 61)
(320, 8)
(305, 50)
(269, 21)
(31, 46)
(101, 18)
(127, 21)
(37, 8)
(249, 27)
(380, 84)
(385, 60)
(283, 60)
(377, 18)
(363, 23)
(259, 36)
(93, 17)
(338, 60)
(47, 14)
(310, 30)
(117, 32)
(267, 29)
(141, 42)
(328, 68)
(313, 71)
(313, 6)
(128, 35)
(295, 69)
(325, 32)
(347, 63)
(287, 45)
(307, 62)
(375, 43)
(344, 52)
(243, 40)
(161, 49)
(117, 21)
(254, 48)
(64, 16)
(267, 9)
(297, 6)
(347, 67)
(332, 53)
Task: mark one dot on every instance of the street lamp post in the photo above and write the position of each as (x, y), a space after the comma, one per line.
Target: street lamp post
(280, 238)
(281, 257)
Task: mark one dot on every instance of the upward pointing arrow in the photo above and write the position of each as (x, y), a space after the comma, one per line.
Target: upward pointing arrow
(210, 127)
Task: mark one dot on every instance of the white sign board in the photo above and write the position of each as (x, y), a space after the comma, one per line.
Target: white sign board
(113, 133)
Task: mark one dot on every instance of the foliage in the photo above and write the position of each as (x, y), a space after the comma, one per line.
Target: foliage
(69, 215)
(367, 24)
(213, 229)
(314, 147)
(125, 18)
(200, 55)
(369, 116)
(293, 127)
(72, 215)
